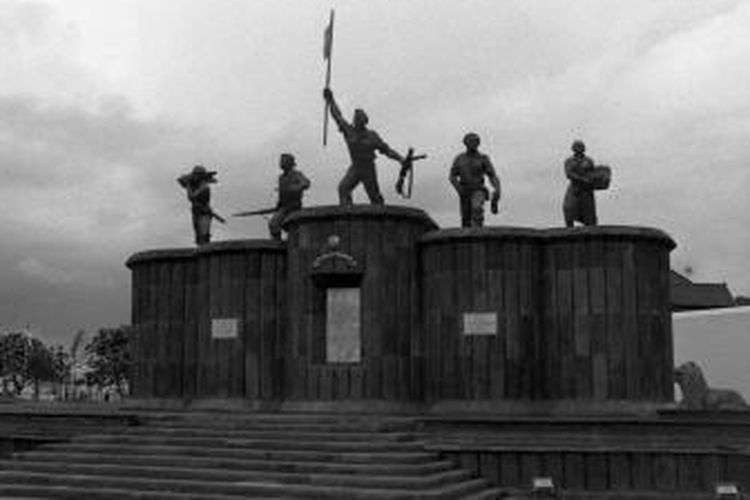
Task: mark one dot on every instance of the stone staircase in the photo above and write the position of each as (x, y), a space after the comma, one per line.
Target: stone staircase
(224, 456)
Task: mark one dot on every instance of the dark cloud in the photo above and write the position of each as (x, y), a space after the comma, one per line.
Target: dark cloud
(85, 189)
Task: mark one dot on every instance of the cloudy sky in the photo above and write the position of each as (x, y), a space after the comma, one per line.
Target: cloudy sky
(104, 104)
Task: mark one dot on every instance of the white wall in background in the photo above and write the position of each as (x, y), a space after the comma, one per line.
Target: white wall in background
(719, 341)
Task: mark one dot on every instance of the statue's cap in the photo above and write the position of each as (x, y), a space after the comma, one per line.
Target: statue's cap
(471, 136)
(287, 157)
(578, 145)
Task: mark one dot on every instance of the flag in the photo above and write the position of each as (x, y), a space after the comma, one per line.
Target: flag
(328, 39)
(327, 48)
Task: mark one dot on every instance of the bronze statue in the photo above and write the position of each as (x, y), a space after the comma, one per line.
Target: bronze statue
(362, 143)
(579, 204)
(467, 176)
(197, 184)
(292, 183)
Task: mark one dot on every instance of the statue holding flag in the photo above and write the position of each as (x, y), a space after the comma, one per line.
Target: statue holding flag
(362, 143)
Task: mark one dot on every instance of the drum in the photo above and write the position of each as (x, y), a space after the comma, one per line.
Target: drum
(600, 177)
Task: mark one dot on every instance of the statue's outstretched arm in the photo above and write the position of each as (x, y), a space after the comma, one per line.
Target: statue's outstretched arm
(384, 149)
(335, 111)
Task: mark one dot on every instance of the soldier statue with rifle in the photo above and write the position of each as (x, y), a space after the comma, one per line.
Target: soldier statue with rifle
(363, 143)
(197, 184)
(292, 184)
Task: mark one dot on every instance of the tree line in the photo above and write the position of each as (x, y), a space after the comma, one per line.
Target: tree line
(104, 362)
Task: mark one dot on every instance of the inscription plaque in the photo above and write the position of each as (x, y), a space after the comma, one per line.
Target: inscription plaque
(480, 323)
(342, 325)
(224, 328)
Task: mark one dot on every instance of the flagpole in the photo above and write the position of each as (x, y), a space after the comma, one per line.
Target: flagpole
(329, 45)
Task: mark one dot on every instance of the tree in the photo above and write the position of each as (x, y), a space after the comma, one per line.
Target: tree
(39, 364)
(61, 363)
(14, 357)
(109, 358)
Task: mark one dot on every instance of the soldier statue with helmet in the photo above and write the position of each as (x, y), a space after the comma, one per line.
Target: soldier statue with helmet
(467, 177)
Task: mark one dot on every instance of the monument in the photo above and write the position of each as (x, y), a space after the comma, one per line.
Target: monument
(527, 337)
(373, 354)
(529, 356)
(489, 315)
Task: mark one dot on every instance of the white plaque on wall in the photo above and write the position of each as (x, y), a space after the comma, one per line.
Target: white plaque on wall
(480, 323)
(224, 328)
(343, 343)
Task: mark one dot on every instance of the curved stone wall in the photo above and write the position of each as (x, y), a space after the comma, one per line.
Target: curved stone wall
(491, 314)
(209, 321)
(383, 242)
(489, 275)
(514, 313)
(607, 323)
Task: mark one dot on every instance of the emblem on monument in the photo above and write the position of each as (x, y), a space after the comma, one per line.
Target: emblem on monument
(336, 267)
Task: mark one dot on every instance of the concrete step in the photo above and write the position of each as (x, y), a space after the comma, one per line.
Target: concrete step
(179, 472)
(630, 495)
(32, 491)
(542, 442)
(241, 420)
(248, 488)
(321, 444)
(337, 435)
(362, 426)
(520, 494)
(492, 493)
(395, 469)
(549, 439)
(257, 453)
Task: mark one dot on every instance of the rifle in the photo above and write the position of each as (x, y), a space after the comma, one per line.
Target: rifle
(262, 211)
(407, 167)
(218, 217)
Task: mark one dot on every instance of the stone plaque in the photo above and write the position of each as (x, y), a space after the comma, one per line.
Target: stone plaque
(224, 328)
(480, 323)
(343, 343)
(727, 489)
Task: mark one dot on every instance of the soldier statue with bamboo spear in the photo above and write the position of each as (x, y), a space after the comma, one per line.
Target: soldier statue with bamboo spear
(292, 184)
(362, 143)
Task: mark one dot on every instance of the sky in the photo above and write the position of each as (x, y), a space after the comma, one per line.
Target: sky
(104, 104)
